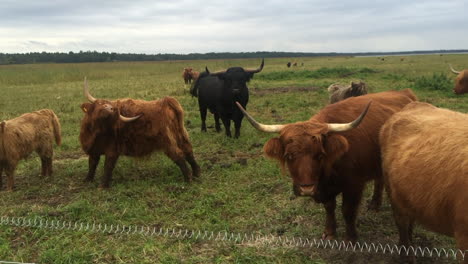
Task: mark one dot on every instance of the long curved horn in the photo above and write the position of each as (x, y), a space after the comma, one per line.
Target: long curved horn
(261, 127)
(128, 119)
(351, 125)
(86, 92)
(454, 71)
(256, 70)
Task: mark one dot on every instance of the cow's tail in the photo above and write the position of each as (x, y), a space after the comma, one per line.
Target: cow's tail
(57, 129)
(2, 127)
(179, 113)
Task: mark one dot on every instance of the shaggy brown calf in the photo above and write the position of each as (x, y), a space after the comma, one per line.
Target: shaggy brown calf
(189, 74)
(186, 75)
(20, 136)
(339, 92)
(461, 82)
(425, 171)
(328, 155)
(153, 125)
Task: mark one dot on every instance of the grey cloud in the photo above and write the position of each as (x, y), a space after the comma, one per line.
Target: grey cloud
(185, 26)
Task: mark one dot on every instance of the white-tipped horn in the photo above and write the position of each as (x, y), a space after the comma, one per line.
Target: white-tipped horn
(351, 125)
(128, 119)
(454, 71)
(259, 126)
(86, 92)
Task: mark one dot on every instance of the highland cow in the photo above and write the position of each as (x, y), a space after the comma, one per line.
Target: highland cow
(339, 92)
(20, 136)
(331, 154)
(153, 125)
(461, 82)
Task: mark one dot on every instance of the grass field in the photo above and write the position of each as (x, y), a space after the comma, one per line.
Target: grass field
(239, 191)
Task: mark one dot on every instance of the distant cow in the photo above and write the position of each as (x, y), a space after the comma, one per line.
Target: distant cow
(461, 83)
(340, 92)
(288, 64)
(218, 92)
(155, 125)
(187, 75)
(20, 136)
(294, 64)
(331, 154)
(425, 171)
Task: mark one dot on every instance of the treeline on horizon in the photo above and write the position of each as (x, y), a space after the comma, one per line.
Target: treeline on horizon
(94, 56)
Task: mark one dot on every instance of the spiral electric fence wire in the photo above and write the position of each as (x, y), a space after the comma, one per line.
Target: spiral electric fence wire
(238, 238)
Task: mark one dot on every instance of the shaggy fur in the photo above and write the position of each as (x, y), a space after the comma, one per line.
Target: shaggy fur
(339, 92)
(160, 128)
(425, 170)
(20, 136)
(323, 164)
(461, 83)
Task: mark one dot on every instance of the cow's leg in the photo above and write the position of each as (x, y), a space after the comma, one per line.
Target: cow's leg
(45, 152)
(237, 124)
(43, 166)
(176, 155)
(93, 162)
(10, 173)
(330, 222)
(227, 125)
(2, 165)
(184, 144)
(376, 201)
(203, 110)
(46, 163)
(109, 165)
(351, 200)
(217, 124)
(195, 168)
(405, 230)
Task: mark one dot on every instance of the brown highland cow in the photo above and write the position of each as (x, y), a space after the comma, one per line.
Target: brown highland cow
(30, 132)
(151, 126)
(424, 151)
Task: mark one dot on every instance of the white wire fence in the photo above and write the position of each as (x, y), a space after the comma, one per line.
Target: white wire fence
(236, 238)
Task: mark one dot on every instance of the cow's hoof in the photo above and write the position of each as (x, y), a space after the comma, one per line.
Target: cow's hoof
(104, 186)
(327, 236)
(88, 179)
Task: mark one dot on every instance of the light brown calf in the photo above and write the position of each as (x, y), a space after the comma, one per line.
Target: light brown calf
(20, 136)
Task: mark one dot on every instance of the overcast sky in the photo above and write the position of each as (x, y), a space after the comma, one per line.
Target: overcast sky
(178, 26)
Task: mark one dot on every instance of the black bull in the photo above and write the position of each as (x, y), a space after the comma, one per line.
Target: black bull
(218, 92)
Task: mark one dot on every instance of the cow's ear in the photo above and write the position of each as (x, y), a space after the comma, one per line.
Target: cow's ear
(87, 107)
(274, 149)
(335, 146)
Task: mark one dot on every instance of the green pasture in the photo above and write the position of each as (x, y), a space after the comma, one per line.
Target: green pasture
(239, 191)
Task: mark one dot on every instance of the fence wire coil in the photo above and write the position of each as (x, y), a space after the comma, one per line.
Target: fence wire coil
(237, 238)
